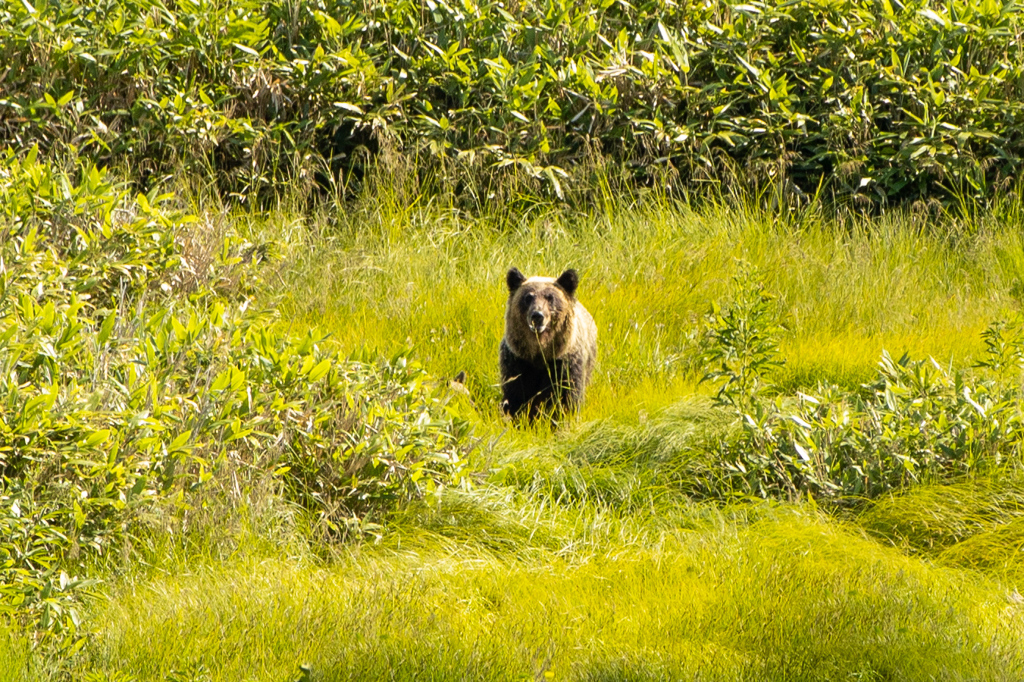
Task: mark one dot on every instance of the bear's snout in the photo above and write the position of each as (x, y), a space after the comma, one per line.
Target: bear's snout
(537, 322)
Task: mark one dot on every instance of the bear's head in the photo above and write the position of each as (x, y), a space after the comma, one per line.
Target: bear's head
(539, 317)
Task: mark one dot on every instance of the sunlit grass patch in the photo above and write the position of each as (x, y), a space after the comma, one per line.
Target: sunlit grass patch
(997, 552)
(789, 597)
(850, 360)
(16, 660)
(649, 274)
(973, 524)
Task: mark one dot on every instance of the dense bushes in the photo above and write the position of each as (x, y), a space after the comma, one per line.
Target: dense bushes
(880, 100)
(132, 370)
(917, 422)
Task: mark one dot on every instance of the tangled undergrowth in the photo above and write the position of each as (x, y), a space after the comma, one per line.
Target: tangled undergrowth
(133, 370)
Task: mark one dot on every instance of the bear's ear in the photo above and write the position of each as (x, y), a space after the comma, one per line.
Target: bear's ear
(514, 279)
(569, 280)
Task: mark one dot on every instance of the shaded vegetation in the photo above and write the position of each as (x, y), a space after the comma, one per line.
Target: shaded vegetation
(869, 101)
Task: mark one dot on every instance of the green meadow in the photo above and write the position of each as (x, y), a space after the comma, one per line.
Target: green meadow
(246, 248)
(584, 552)
(387, 278)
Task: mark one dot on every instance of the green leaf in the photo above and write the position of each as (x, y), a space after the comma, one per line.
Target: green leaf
(931, 14)
(246, 49)
(106, 329)
(179, 442)
(320, 370)
(749, 67)
(349, 107)
(96, 438)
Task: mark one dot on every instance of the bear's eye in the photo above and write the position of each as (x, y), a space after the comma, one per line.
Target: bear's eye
(551, 298)
(528, 298)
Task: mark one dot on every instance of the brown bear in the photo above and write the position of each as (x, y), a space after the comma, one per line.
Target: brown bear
(550, 346)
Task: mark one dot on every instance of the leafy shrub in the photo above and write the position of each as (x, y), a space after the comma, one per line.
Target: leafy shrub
(1004, 345)
(881, 101)
(388, 443)
(917, 422)
(132, 370)
(33, 582)
(741, 343)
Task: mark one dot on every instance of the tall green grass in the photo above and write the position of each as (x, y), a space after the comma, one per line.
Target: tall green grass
(387, 276)
(16, 661)
(976, 525)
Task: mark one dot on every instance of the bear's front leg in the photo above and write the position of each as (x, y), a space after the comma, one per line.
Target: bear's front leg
(516, 386)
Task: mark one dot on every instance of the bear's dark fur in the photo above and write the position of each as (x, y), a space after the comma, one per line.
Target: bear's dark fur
(550, 346)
